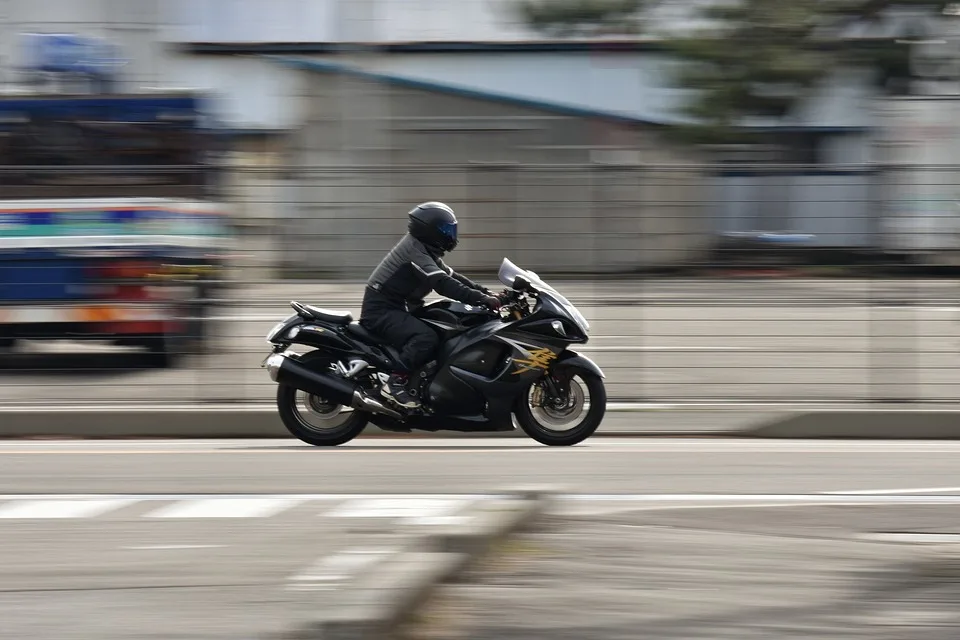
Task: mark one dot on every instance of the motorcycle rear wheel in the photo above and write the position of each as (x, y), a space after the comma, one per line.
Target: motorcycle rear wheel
(537, 415)
(335, 426)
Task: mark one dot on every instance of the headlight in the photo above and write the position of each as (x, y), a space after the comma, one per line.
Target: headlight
(579, 319)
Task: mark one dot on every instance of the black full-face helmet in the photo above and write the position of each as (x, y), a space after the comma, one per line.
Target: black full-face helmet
(435, 225)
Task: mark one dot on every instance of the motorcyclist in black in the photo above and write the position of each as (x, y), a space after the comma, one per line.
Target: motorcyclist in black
(399, 284)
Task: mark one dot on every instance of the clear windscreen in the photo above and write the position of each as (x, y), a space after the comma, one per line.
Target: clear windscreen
(509, 272)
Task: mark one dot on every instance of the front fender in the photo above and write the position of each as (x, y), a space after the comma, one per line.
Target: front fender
(571, 359)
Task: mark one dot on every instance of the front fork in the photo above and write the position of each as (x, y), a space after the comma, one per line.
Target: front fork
(556, 386)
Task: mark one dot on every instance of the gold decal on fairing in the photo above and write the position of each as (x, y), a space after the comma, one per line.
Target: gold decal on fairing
(539, 360)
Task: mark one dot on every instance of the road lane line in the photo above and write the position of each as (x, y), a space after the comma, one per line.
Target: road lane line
(447, 447)
(173, 547)
(226, 508)
(631, 348)
(304, 497)
(790, 498)
(912, 538)
(870, 492)
(42, 509)
(408, 508)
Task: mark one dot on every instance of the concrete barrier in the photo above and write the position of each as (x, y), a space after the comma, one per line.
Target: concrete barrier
(877, 424)
(222, 421)
(378, 604)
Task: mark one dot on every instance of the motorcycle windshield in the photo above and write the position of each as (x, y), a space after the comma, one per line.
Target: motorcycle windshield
(508, 273)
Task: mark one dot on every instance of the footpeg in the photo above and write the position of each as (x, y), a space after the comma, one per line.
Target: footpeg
(363, 402)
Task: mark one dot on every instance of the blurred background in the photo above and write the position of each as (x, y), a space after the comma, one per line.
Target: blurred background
(755, 203)
(751, 201)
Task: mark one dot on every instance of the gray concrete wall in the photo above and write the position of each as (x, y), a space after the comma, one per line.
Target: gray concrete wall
(556, 193)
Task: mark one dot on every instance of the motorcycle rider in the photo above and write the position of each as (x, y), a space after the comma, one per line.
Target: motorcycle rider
(399, 284)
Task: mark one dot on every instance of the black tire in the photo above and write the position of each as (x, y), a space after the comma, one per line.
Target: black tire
(296, 425)
(544, 435)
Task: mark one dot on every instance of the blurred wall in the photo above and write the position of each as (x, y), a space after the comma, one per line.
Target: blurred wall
(555, 191)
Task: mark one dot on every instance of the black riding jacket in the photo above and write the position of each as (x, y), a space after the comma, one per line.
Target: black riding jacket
(411, 271)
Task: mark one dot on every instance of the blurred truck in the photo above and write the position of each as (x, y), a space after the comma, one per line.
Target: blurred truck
(109, 225)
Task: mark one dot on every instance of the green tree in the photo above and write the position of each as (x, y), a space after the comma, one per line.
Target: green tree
(754, 63)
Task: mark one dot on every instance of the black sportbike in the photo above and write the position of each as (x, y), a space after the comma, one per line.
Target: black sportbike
(492, 366)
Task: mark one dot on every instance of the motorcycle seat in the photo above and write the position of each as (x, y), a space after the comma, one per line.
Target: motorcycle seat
(325, 315)
(357, 331)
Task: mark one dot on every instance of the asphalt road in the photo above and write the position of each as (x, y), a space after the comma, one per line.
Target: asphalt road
(179, 567)
(687, 341)
(797, 573)
(227, 539)
(428, 465)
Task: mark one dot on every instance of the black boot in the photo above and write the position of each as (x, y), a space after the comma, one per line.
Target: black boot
(396, 390)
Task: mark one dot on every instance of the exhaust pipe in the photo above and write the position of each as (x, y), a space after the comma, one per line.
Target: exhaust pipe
(285, 370)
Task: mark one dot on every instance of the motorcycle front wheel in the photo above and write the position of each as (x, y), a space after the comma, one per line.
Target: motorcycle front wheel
(566, 418)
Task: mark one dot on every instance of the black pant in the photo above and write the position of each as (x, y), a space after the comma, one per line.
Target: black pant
(416, 341)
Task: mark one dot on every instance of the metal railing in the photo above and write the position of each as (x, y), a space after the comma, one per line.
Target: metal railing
(701, 283)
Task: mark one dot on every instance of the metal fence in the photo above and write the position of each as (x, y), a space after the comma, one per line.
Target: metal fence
(725, 331)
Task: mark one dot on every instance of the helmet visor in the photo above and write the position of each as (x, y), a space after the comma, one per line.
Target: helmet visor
(449, 229)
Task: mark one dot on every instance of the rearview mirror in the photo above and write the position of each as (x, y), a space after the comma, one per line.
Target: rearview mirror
(521, 284)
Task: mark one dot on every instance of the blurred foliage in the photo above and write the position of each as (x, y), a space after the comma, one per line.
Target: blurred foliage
(756, 58)
(572, 18)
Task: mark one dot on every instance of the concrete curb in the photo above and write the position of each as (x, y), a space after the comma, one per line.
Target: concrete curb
(195, 423)
(475, 537)
(894, 424)
(378, 605)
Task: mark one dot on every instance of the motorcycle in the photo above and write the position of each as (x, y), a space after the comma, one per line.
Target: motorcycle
(492, 367)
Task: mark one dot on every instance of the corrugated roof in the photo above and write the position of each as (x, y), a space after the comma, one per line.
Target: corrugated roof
(584, 87)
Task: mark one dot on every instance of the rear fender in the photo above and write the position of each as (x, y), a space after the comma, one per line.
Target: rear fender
(573, 360)
(321, 336)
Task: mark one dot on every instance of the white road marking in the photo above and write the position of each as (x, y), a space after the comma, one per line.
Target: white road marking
(512, 446)
(412, 508)
(629, 348)
(737, 499)
(226, 508)
(324, 497)
(515, 447)
(43, 509)
(869, 492)
(913, 538)
(588, 509)
(444, 509)
(173, 547)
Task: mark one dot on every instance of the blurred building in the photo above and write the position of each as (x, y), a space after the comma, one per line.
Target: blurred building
(388, 85)
(556, 188)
